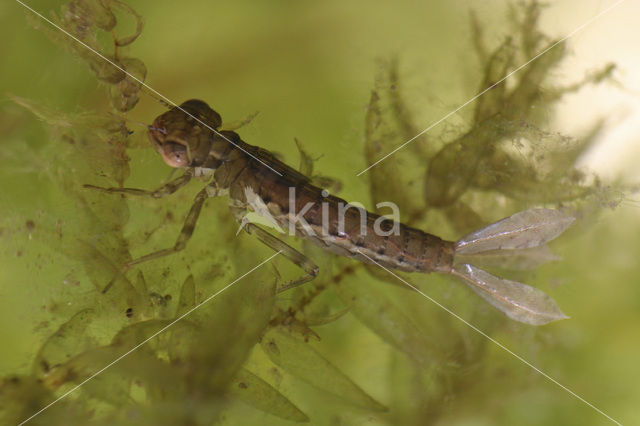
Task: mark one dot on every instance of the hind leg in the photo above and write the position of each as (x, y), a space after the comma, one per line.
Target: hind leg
(303, 262)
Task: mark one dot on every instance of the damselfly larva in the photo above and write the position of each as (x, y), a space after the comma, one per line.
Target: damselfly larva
(255, 180)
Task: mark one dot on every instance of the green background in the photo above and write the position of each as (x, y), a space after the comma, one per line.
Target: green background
(308, 69)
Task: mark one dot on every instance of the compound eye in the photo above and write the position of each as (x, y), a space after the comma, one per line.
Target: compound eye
(175, 154)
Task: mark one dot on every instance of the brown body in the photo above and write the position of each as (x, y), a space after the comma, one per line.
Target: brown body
(240, 168)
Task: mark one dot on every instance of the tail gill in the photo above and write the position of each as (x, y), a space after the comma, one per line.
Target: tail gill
(525, 233)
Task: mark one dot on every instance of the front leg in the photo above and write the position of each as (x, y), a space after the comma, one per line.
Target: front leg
(302, 261)
(189, 225)
(166, 189)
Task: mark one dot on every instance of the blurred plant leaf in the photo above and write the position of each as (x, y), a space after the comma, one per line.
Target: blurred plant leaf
(374, 309)
(69, 340)
(187, 296)
(301, 360)
(386, 127)
(254, 391)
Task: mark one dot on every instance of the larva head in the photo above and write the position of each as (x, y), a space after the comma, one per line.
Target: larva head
(182, 135)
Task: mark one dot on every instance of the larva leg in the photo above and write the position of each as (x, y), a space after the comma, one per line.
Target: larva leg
(302, 261)
(166, 189)
(187, 228)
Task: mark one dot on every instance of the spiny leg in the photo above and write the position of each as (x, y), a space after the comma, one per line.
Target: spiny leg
(187, 228)
(302, 261)
(166, 189)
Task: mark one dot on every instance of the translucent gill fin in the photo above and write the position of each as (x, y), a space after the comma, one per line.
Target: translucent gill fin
(526, 229)
(518, 301)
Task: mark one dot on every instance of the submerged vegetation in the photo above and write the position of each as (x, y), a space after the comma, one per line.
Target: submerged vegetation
(247, 345)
